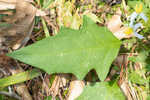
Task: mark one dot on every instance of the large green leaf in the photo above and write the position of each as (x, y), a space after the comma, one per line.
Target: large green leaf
(102, 91)
(73, 51)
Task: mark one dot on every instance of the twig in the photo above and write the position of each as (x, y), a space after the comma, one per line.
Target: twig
(124, 7)
(10, 94)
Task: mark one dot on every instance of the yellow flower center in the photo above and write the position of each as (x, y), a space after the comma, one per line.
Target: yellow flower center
(138, 8)
(128, 31)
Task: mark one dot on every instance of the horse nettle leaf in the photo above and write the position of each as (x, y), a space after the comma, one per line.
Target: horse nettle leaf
(73, 51)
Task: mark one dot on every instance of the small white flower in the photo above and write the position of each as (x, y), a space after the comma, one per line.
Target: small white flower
(142, 15)
(136, 26)
(132, 18)
(138, 35)
(138, 12)
(133, 30)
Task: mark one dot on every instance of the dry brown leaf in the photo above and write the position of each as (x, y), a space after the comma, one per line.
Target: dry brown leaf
(21, 25)
(55, 86)
(11, 4)
(120, 33)
(60, 81)
(75, 89)
(126, 90)
(5, 6)
(115, 26)
(14, 1)
(115, 22)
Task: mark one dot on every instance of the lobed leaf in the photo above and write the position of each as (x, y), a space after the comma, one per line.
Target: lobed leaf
(73, 51)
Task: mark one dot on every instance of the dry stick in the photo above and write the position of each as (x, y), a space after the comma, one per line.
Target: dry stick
(121, 72)
(47, 19)
(33, 37)
(131, 54)
(124, 7)
(121, 76)
(123, 83)
(126, 64)
(14, 1)
(12, 94)
(60, 96)
(45, 85)
(55, 87)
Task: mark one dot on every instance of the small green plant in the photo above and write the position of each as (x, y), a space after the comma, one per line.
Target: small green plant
(77, 52)
(134, 21)
(81, 46)
(91, 47)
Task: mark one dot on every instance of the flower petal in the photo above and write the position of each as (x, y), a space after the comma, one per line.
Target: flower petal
(131, 24)
(133, 16)
(142, 15)
(138, 35)
(136, 26)
(139, 8)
